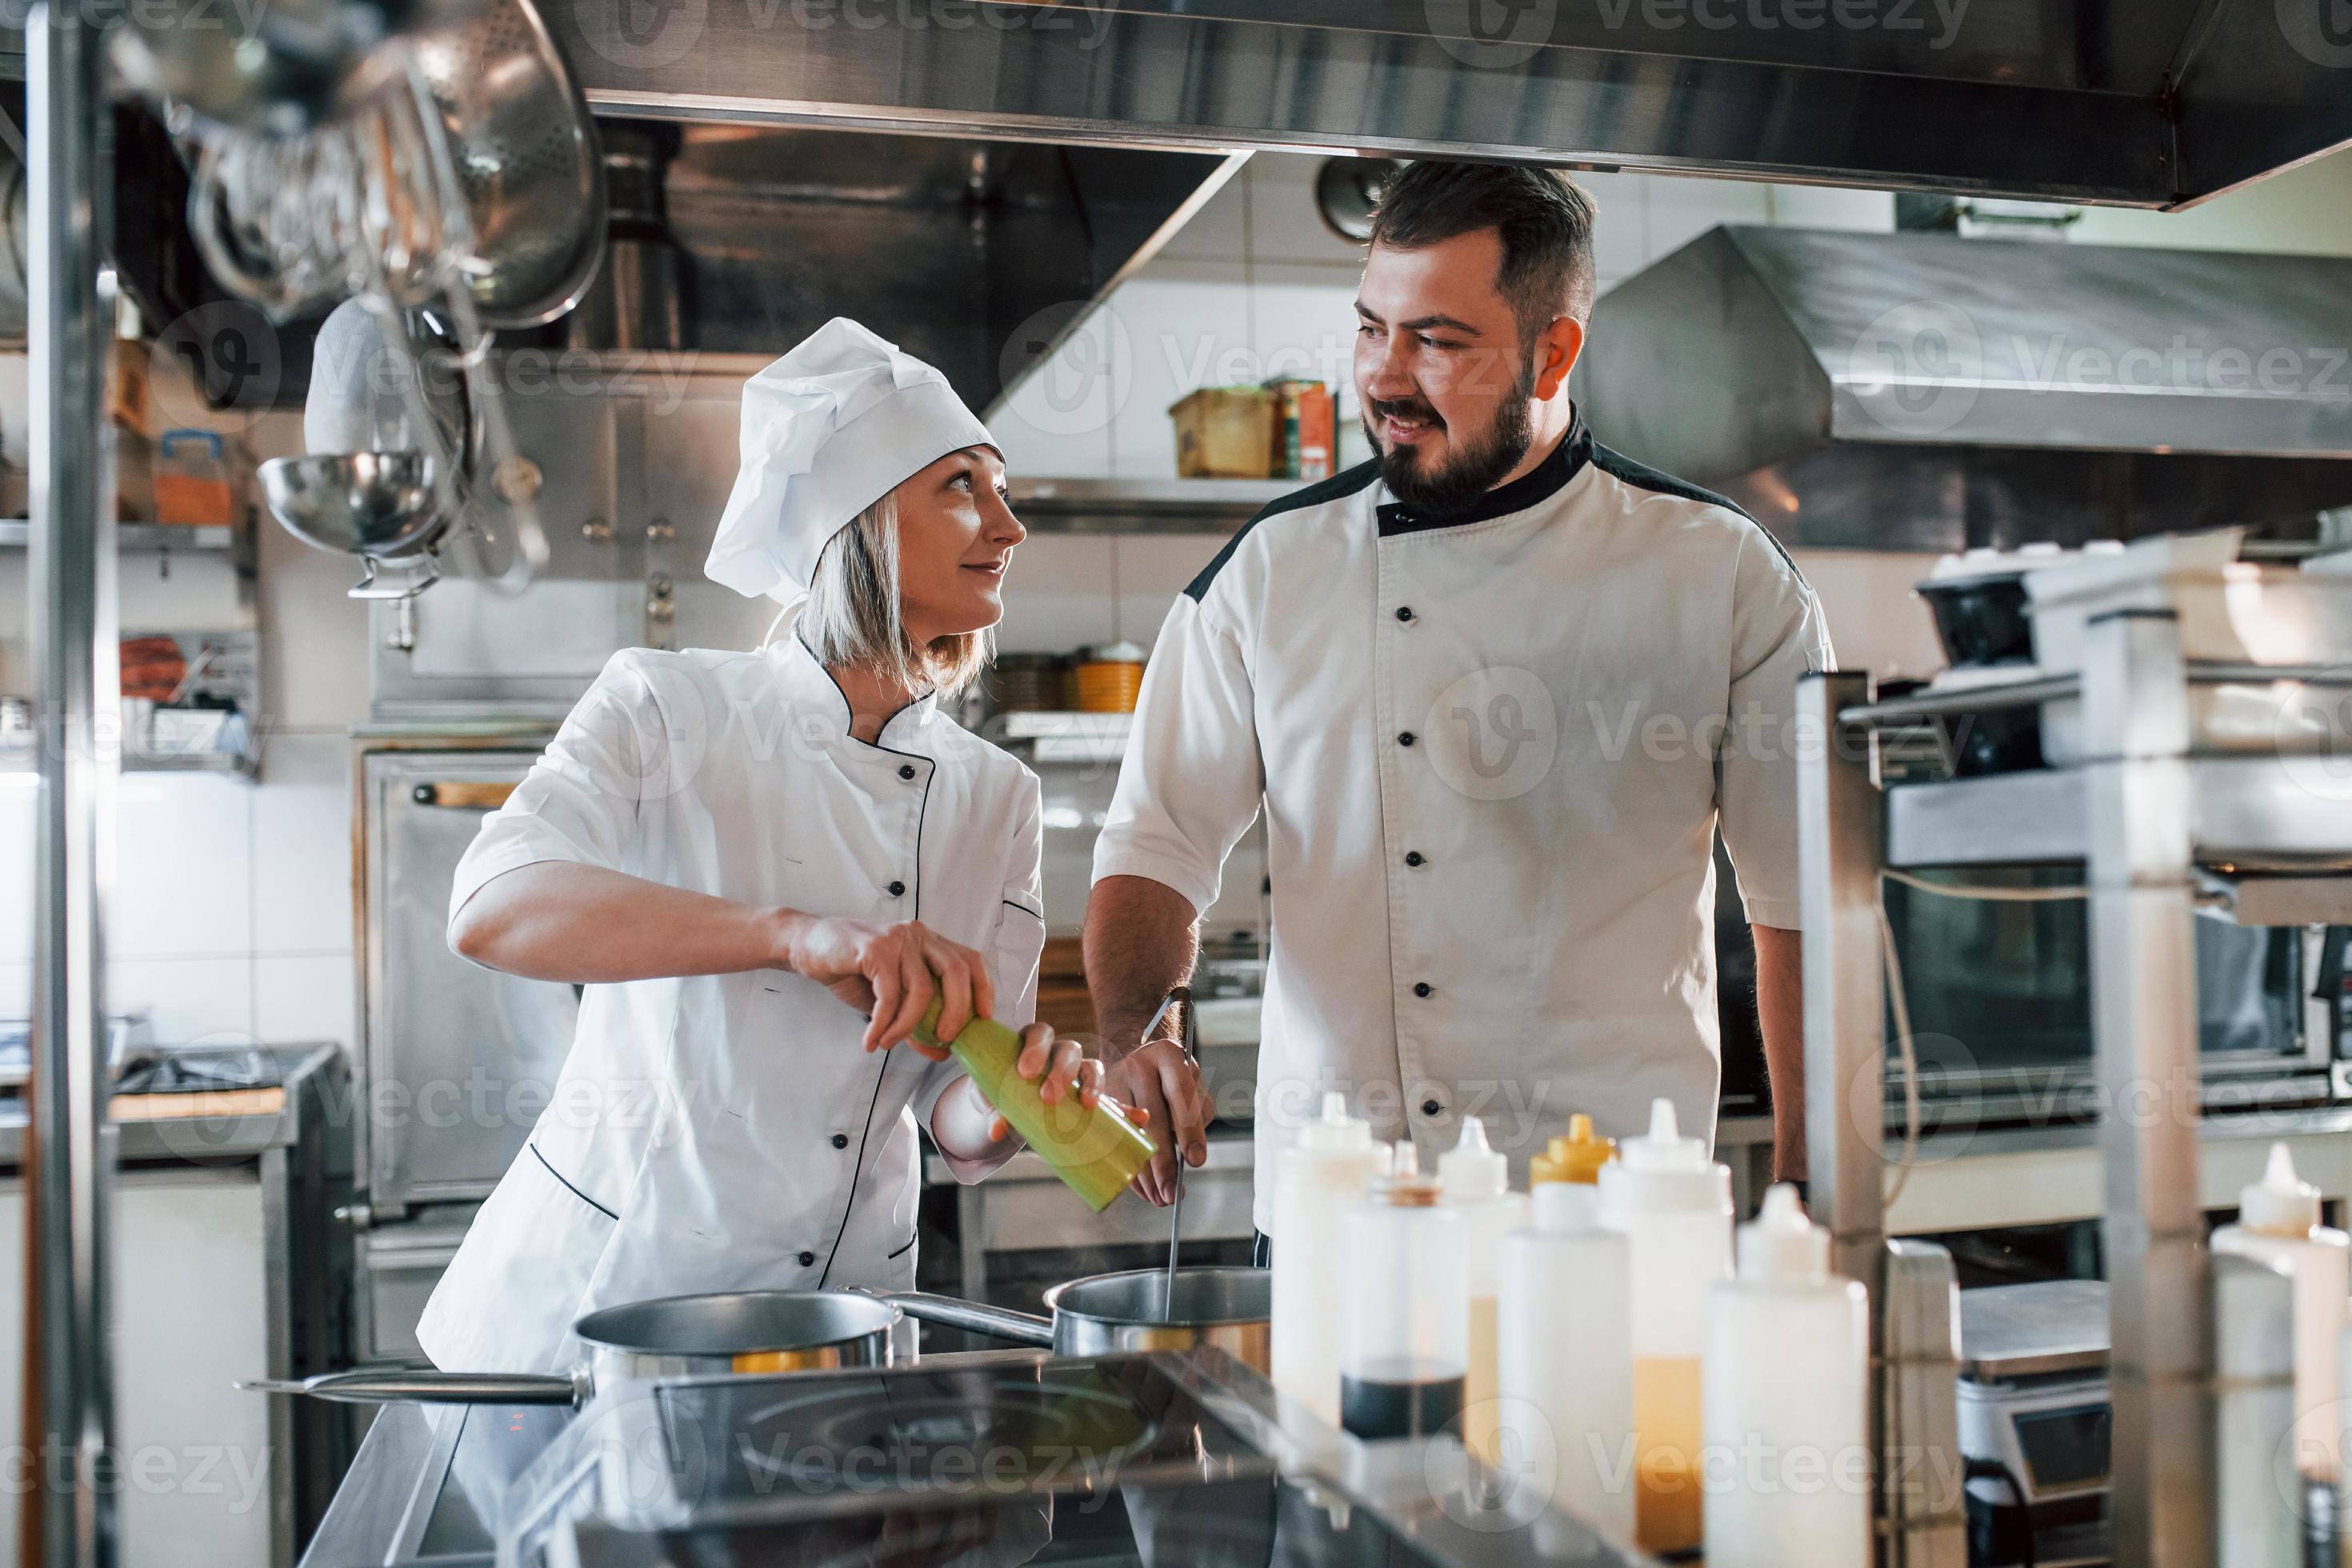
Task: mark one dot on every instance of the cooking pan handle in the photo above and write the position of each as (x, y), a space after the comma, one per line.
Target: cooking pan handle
(432, 1387)
(997, 1322)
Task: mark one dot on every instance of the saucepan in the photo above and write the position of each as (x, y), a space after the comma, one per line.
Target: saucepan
(1140, 1310)
(677, 1336)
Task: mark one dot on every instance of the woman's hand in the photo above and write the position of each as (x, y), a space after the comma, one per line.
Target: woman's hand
(890, 973)
(1059, 1068)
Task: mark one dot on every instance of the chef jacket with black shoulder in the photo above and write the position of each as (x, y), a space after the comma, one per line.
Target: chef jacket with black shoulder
(1493, 750)
(727, 1131)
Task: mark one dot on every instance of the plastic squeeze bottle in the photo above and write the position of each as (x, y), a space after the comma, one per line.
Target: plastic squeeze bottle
(1564, 1355)
(1673, 1206)
(2278, 1222)
(1476, 1185)
(1095, 1150)
(1316, 1180)
(1576, 1157)
(1788, 1402)
(1404, 1320)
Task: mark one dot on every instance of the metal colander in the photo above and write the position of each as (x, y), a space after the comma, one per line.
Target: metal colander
(526, 157)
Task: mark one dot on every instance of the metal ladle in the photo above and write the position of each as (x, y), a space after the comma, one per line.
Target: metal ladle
(1180, 996)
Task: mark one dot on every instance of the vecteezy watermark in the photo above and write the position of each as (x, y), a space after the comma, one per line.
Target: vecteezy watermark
(1494, 734)
(151, 1469)
(647, 34)
(1920, 368)
(219, 366)
(1794, 15)
(2318, 30)
(1516, 1113)
(641, 35)
(2313, 732)
(1071, 366)
(1491, 35)
(1502, 34)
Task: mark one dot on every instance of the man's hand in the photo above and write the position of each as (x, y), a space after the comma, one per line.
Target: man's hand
(1060, 1067)
(1158, 1079)
(890, 973)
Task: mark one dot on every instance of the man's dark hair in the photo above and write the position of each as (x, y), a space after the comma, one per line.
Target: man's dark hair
(1543, 219)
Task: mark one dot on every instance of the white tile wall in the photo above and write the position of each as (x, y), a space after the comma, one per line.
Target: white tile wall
(1257, 286)
(232, 910)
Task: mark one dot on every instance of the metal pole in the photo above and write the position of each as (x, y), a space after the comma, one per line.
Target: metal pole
(1838, 845)
(2144, 1027)
(1841, 840)
(69, 1521)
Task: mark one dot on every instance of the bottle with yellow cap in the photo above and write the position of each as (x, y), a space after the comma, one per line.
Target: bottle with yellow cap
(1564, 1341)
(1576, 1157)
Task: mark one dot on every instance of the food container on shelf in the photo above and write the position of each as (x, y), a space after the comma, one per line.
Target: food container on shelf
(1110, 678)
(1226, 433)
(2229, 612)
(192, 480)
(1027, 683)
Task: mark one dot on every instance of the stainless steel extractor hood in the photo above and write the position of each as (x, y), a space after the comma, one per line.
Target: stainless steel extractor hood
(976, 256)
(2140, 103)
(1920, 391)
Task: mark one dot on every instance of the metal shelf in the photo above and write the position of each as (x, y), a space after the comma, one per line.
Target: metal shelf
(15, 534)
(1063, 737)
(2259, 813)
(1144, 506)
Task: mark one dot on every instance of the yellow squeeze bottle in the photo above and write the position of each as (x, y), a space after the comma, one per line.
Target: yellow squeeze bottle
(1095, 1150)
(1577, 1157)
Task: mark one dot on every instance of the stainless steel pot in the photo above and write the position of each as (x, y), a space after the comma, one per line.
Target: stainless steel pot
(677, 1336)
(1231, 1308)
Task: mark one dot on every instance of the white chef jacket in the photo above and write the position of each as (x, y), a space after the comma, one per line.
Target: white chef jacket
(726, 1133)
(1493, 752)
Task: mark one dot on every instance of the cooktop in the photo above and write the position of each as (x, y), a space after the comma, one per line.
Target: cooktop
(1153, 1460)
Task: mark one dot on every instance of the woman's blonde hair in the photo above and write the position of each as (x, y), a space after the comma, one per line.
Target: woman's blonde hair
(852, 614)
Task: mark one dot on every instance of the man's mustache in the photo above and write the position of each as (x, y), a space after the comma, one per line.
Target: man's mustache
(1384, 408)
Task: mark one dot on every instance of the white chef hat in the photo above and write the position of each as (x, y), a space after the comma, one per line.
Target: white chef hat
(828, 431)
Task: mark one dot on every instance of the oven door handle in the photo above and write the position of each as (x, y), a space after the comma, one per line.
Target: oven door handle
(462, 794)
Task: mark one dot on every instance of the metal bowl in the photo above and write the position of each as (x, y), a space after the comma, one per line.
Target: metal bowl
(385, 505)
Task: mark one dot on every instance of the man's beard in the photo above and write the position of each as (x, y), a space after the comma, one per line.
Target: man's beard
(1472, 469)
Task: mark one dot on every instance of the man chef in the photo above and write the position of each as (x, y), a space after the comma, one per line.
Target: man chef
(1496, 690)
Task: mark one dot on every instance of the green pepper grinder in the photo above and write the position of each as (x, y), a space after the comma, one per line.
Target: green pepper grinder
(1094, 1149)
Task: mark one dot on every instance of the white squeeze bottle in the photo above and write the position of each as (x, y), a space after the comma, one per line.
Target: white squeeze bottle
(1321, 1175)
(1404, 1325)
(1673, 1206)
(1476, 1182)
(1565, 1357)
(1788, 1402)
(2278, 1222)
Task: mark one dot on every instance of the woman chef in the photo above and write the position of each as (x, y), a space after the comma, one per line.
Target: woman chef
(763, 867)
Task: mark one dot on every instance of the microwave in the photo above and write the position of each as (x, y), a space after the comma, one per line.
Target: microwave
(1999, 1001)
(1999, 995)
